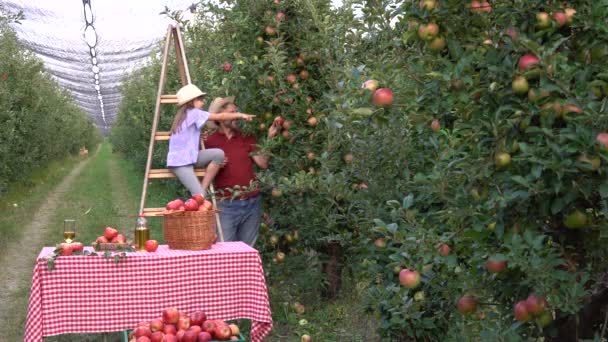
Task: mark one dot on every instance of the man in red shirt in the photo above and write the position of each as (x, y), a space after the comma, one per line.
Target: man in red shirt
(236, 187)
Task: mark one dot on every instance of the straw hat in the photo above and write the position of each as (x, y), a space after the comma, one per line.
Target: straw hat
(218, 103)
(188, 93)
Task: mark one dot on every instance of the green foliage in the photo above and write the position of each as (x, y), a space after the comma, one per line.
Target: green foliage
(430, 186)
(40, 122)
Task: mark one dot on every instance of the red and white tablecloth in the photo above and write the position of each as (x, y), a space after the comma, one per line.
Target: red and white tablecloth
(86, 294)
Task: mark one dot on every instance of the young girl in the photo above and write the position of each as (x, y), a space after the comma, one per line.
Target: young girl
(184, 154)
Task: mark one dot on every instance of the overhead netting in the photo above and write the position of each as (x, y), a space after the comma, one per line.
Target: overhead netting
(89, 46)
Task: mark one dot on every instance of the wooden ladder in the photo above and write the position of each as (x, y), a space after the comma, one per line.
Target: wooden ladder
(174, 37)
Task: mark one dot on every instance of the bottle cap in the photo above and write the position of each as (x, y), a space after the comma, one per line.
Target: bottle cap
(141, 215)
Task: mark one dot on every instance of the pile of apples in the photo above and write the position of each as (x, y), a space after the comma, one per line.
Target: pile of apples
(175, 326)
(69, 248)
(111, 235)
(196, 203)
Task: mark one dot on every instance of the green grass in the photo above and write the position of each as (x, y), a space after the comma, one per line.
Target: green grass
(25, 197)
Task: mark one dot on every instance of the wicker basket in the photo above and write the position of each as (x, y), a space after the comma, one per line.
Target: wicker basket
(191, 230)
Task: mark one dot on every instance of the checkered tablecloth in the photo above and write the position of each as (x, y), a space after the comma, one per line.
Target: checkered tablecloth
(86, 294)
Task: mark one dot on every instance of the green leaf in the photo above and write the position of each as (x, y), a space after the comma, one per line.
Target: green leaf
(50, 264)
(107, 254)
(408, 201)
(362, 111)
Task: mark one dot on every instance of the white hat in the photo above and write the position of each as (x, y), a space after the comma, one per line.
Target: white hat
(219, 102)
(188, 93)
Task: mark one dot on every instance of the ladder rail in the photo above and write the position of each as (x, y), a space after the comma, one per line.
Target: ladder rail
(161, 87)
(173, 33)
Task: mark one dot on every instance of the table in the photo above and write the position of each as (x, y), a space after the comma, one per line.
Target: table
(85, 294)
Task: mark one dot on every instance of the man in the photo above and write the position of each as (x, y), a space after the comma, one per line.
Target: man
(236, 188)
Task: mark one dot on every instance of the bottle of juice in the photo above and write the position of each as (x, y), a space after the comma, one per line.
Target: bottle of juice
(142, 233)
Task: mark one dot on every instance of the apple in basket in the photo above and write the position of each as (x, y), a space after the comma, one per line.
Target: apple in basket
(195, 328)
(110, 233)
(190, 336)
(101, 239)
(143, 339)
(170, 329)
(157, 336)
(119, 239)
(183, 323)
(170, 316)
(197, 318)
(199, 198)
(208, 326)
(191, 205)
(77, 246)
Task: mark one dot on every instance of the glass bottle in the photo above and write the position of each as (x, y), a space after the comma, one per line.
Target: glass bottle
(142, 233)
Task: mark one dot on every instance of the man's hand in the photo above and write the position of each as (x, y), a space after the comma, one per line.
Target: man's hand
(246, 117)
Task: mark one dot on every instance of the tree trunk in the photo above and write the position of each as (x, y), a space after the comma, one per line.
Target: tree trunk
(591, 318)
(333, 270)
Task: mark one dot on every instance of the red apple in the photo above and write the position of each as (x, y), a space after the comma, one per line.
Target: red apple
(496, 266)
(142, 331)
(170, 338)
(170, 316)
(306, 338)
(208, 205)
(156, 325)
(119, 239)
(444, 249)
(380, 242)
(560, 18)
(383, 97)
(435, 125)
(312, 121)
(521, 311)
(180, 335)
(528, 61)
(173, 205)
(234, 329)
(467, 305)
(190, 336)
(204, 337)
(222, 332)
(199, 198)
(279, 121)
(303, 74)
(169, 329)
(143, 339)
(512, 32)
(157, 336)
(409, 279)
(291, 78)
(66, 249)
(208, 326)
(110, 233)
(151, 245)
(428, 31)
(227, 67)
(183, 323)
(191, 205)
(197, 318)
(570, 12)
(280, 16)
(77, 246)
(535, 305)
(602, 138)
(195, 328)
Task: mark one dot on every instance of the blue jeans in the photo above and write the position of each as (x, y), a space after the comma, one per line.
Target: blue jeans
(241, 219)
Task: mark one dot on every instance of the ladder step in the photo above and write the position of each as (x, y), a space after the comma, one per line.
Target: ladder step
(152, 212)
(162, 136)
(168, 99)
(165, 173)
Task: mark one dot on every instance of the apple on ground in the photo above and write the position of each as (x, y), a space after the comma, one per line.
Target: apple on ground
(435, 125)
(151, 245)
(371, 85)
(227, 66)
(110, 233)
(444, 249)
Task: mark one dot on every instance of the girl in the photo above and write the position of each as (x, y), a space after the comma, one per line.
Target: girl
(183, 154)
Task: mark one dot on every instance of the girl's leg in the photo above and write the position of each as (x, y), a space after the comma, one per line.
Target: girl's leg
(211, 159)
(186, 175)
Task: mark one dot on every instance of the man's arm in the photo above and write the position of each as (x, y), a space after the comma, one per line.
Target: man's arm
(260, 160)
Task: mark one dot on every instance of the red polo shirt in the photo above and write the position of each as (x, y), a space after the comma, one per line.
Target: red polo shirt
(239, 169)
